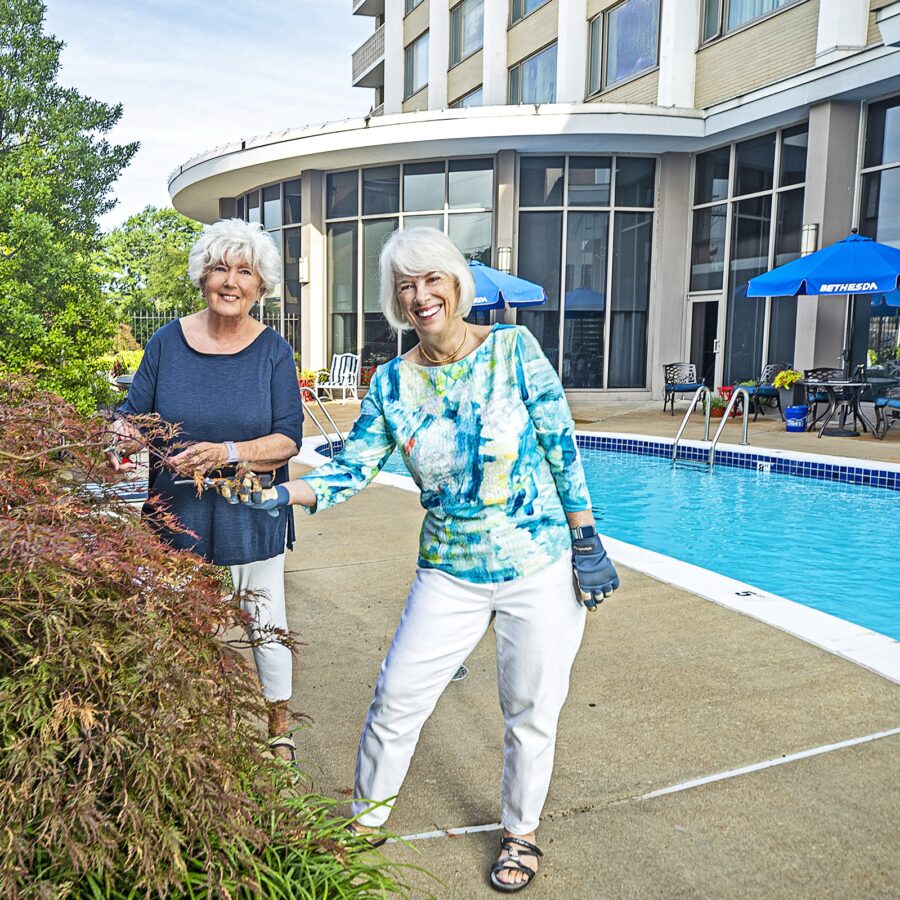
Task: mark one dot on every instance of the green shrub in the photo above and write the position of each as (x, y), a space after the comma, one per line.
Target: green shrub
(133, 762)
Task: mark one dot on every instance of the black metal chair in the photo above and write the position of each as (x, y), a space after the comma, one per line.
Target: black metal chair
(815, 397)
(680, 378)
(765, 389)
(887, 412)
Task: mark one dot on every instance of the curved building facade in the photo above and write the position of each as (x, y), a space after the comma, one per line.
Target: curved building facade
(641, 159)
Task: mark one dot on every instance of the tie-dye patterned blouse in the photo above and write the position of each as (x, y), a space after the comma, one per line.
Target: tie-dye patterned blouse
(490, 442)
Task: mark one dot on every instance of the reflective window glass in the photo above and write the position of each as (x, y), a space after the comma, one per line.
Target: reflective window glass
(272, 206)
(521, 8)
(410, 5)
(746, 316)
(379, 341)
(794, 142)
(416, 66)
(880, 213)
(711, 175)
(473, 98)
(424, 222)
(423, 186)
(711, 9)
(595, 55)
(471, 232)
(783, 310)
(754, 164)
(291, 256)
(589, 180)
(629, 299)
(534, 79)
(708, 248)
(632, 39)
(742, 11)
(471, 183)
(342, 276)
(635, 181)
(253, 206)
(539, 260)
(883, 133)
(541, 181)
(342, 191)
(587, 236)
(381, 190)
(239, 207)
(466, 29)
(292, 202)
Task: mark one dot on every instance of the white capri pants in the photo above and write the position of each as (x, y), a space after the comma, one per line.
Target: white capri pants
(273, 659)
(538, 625)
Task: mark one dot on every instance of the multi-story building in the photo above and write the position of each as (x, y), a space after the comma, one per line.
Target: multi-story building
(641, 159)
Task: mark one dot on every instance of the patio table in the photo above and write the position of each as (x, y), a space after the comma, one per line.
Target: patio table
(843, 398)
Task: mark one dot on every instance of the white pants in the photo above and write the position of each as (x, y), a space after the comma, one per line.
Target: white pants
(273, 659)
(538, 625)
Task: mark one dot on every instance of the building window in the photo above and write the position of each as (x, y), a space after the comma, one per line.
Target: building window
(473, 98)
(455, 197)
(411, 5)
(534, 79)
(585, 230)
(415, 75)
(466, 29)
(521, 8)
(624, 43)
(748, 218)
(722, 16)
(879, 218)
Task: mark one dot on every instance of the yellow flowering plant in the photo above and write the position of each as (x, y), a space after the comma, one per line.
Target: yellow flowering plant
(786, 378)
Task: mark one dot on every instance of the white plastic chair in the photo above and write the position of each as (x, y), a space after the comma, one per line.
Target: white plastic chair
(342, 376)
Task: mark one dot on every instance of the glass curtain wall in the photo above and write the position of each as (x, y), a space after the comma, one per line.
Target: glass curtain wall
(585, 234)
(277, 208)
(879, 218)
(748, 215)
(363, 207)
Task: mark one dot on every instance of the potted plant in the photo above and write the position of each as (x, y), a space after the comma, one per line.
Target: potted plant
(307, 378)
(792, 394)
(717, 406)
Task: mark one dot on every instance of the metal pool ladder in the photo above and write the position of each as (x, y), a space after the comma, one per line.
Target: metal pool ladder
(308, 411)
(704, 391)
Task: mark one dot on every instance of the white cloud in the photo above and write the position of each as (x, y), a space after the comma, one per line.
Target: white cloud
(192, 75)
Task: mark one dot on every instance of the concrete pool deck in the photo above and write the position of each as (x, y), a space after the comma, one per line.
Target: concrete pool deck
(667, 688)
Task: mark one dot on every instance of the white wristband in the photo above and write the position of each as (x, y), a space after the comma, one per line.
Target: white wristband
(232, 452)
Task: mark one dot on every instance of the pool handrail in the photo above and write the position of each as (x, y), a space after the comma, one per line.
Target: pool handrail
(702, 391)
(745, 413)
(308, 411)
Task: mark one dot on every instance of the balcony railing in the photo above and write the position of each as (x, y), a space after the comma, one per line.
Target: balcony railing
(368, 61)
(379, 110)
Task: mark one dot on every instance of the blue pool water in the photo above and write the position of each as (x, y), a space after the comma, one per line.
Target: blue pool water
(828, 545)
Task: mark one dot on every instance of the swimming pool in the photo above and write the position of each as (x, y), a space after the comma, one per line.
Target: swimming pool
(828, 545)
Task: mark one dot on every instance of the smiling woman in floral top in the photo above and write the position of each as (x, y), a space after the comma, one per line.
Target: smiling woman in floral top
(482, 423)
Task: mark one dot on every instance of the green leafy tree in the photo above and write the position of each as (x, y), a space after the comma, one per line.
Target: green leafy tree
(144, 263)
(56, 171)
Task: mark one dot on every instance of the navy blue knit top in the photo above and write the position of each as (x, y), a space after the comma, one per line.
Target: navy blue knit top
(217, 397)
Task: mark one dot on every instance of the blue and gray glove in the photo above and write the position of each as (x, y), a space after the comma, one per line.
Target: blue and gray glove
(595, 575)
(251, 493)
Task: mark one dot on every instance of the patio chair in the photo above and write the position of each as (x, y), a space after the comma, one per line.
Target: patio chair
(814, 397)
(765, 389)
(887, 412)
(680, 378)
(342, 376)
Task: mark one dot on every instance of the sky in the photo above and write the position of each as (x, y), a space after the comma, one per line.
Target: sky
(196, 74)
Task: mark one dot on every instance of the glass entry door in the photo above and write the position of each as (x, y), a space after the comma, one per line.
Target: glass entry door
(705, 338)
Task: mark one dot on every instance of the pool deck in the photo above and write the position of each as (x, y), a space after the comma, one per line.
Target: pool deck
(668, 690)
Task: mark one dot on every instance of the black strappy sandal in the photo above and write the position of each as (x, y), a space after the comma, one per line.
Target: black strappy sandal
(512, 863)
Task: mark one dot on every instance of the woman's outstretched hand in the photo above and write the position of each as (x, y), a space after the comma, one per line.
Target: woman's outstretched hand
(594, 572)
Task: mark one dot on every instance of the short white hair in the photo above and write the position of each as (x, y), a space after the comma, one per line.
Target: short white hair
(235, 241)
(418, 251)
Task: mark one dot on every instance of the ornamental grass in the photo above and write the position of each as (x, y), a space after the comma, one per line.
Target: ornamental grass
(132, 761)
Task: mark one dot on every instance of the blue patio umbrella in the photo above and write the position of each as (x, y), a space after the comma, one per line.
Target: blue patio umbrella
(583, 299)
(886, 304)
(854, 265)
(495, 289)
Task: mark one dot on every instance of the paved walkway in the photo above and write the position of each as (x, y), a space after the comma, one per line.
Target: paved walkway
(668, 689)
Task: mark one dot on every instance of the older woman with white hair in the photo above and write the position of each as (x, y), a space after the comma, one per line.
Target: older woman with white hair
(231, 385)
(480, 418)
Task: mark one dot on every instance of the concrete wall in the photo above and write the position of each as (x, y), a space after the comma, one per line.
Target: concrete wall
(774, 48)
(533, 32)
(417, 101)
(416, 22)
(643, 89)
(464, 77)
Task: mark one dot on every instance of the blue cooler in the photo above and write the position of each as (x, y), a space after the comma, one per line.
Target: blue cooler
(795, 418)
